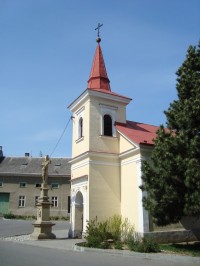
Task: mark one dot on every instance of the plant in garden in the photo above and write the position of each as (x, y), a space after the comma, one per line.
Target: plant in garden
(114, 228)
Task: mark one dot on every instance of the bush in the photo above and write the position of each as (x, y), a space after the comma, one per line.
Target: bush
(114, 228)
(9, 215)
(118, 245)
(96, 233)
(142, 245)
(105, 245)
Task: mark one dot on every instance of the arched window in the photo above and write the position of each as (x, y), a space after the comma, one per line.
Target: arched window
(80, 128)
(107, 125)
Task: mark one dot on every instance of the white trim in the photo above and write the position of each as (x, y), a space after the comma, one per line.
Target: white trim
(74, 167)
(79, 140)
(80, 110)
(104, 163)
(109, 96)
(102, 95)
(130, 161)
(104, 106)
(143, 214)
(90, 162)
(93, 153)
(82, 187)
(79, 180)
(128, 153)
(78, 101)
(140, 207)
(111, 111)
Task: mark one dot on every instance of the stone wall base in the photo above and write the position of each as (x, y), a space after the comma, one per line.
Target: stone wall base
(164, 237)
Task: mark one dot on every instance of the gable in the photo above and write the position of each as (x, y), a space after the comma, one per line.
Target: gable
(138, 133)
(125, 144)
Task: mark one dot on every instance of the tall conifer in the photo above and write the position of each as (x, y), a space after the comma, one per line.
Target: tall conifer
(172, 176)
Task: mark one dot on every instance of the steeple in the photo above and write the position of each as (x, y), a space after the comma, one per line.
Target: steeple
(98, 76)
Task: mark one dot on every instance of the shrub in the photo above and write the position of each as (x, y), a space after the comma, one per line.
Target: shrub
(118, 245)
(9, 215)
(96, 233)
(114, 228)
(105, 245)
(142, 245)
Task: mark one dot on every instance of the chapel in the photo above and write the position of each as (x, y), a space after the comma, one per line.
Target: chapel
(107, 151)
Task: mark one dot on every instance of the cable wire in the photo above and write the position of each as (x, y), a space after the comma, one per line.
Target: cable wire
(60, 137)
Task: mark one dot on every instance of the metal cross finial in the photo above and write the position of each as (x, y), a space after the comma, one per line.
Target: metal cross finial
(98, 29)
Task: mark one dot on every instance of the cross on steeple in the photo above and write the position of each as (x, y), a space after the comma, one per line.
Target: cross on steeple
(98, 31)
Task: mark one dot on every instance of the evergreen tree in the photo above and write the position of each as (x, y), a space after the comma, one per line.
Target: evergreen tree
(171, 177)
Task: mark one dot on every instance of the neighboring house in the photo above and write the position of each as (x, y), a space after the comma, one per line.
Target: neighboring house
(20, 182)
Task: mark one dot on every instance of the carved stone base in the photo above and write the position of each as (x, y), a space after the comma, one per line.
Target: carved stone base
(43, 225)
(43, 230)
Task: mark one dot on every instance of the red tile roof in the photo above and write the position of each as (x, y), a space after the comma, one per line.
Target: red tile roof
(98, 80)
(138, 132)
(98, 76)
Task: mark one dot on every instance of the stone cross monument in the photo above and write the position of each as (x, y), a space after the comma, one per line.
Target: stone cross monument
(43, 225)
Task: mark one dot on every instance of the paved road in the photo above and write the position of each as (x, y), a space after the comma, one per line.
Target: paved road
(15, 254)
(21, 227)
(60, 252)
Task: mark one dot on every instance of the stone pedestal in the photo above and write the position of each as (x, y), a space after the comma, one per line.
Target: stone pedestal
(43, 225)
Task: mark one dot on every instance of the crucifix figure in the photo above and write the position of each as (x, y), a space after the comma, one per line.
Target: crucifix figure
(45, 166)
(98, 31)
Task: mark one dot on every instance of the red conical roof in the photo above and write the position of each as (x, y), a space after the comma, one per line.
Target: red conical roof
(98, 75)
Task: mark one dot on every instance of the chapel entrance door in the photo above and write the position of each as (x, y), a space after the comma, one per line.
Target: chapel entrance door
(78, 229)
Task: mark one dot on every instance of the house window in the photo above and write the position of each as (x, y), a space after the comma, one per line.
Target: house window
(1, 184)
(69, 203)
(36, 200)
(21, 201)
(54, 201)
(38, 185)
(22, 184)
(54, 185)
(80, 128)
(107, 125)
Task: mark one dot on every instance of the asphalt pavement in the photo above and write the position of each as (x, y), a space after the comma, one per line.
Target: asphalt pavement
(18, 232)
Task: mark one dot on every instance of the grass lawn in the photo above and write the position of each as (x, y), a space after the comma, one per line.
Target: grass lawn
(191, 249)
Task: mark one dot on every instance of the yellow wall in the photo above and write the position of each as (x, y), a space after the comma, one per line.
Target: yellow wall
(124, 144)
(80, 168)
(129, 192)
(80, 145)
(104, 186)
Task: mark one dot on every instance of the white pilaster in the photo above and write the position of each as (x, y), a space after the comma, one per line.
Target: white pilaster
(143, 214)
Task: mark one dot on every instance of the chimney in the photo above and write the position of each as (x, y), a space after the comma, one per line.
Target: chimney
(27, 154)
(1, 152)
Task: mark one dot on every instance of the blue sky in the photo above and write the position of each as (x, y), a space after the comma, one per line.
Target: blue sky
(46, 53)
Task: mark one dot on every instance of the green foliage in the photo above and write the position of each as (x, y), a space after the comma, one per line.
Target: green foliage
(138, 244)
(118, 245)
(192, 249)
(8, 215)
(109, 234)
(172, 176)
(114, 228)
(32, 217)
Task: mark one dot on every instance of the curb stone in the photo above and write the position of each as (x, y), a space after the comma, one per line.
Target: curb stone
(150, 256)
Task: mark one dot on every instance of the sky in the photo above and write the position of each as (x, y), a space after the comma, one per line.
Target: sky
(46, 53)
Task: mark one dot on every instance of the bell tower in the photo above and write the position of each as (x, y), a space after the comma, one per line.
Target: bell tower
(95, 166)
